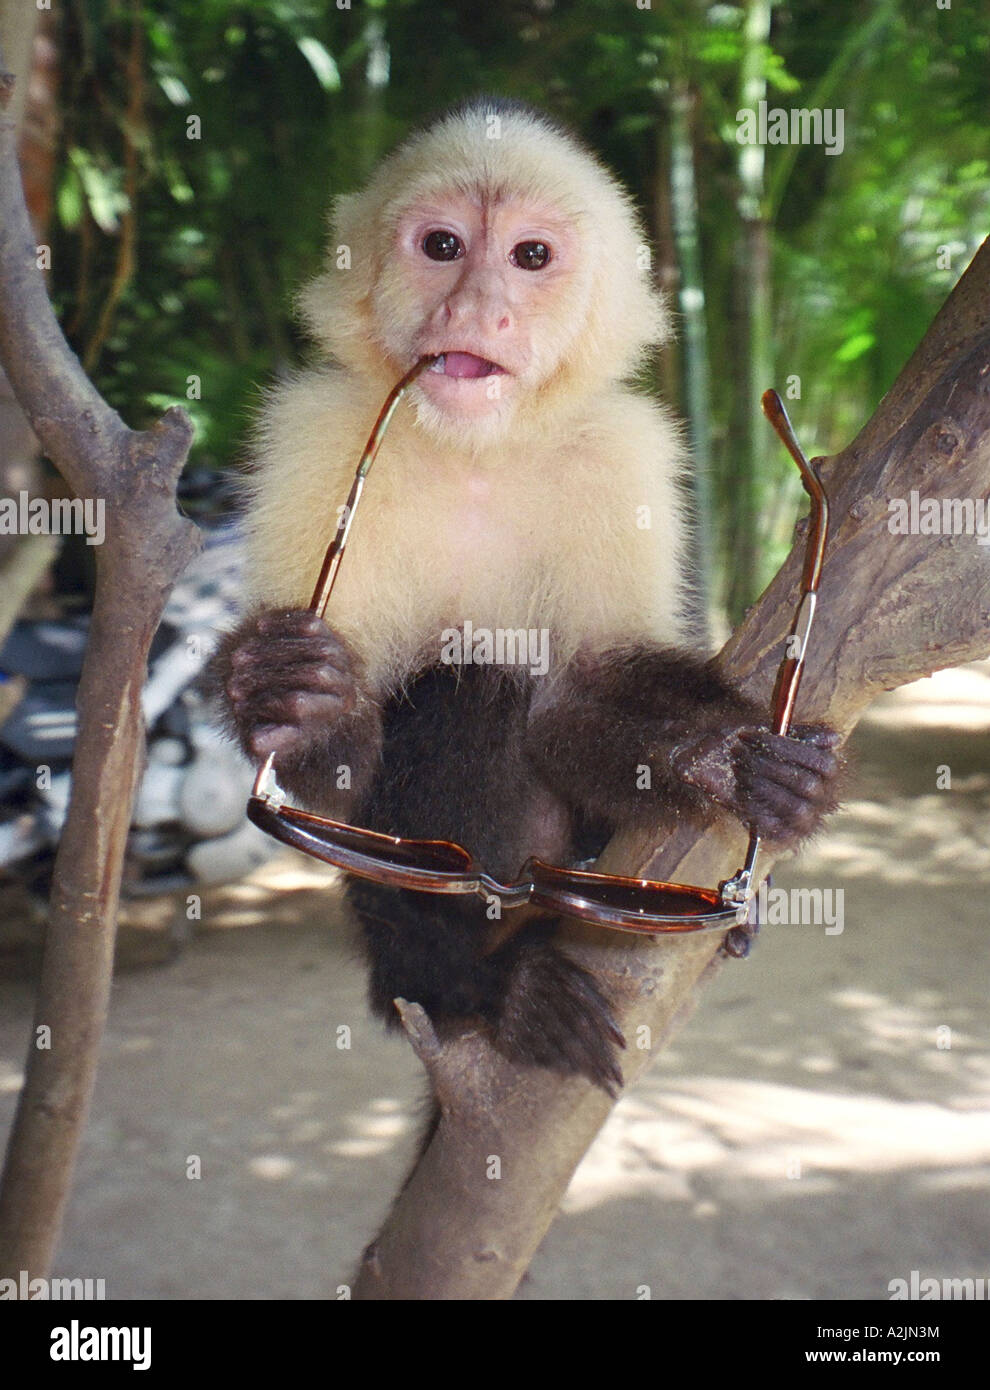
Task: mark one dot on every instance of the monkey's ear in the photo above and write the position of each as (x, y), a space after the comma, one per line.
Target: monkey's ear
(333, 307)
(318, 308)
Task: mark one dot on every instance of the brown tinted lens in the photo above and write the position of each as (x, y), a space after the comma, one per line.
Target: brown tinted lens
(431, 856)
(657, 901)
(628, 899)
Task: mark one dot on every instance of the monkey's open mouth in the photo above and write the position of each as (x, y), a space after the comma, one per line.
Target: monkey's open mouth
(465, 365)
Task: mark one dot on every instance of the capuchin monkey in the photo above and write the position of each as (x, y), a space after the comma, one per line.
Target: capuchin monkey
(523, 486)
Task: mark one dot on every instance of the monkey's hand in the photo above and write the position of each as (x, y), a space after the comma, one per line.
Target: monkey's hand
(782, 786)
(292, 688)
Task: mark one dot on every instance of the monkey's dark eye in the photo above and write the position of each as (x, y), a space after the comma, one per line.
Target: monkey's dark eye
(530, 255)
(442, 246)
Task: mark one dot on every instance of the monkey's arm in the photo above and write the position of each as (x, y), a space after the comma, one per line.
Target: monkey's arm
(634, 735)
(292, 687)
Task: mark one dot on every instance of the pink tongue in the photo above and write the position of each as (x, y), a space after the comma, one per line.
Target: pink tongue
(465, 364)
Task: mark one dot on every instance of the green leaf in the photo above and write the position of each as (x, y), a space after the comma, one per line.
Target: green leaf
(321, 61)
(69, 200)
(104, 196)
(855, 347)
(175, 89)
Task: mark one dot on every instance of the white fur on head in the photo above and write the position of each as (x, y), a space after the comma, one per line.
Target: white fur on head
(611, 313)
(573, 525)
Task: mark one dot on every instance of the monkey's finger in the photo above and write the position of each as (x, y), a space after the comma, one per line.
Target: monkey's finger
(295, 709)
(817, 734)
(791, 750)
(808, 785)
(777, 812)
(272, 738)
(254, 684)
(273, 656)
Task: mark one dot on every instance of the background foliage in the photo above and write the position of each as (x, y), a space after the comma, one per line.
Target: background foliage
(177, 243)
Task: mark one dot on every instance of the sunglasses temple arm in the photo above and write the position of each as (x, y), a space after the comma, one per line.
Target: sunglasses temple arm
(788, 681)
(791, 668)
(335, 550)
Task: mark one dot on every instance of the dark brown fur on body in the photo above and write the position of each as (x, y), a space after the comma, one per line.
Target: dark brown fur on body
(644, 735)
(492, 759)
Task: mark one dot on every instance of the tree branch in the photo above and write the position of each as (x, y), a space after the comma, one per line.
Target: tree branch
(148, 545)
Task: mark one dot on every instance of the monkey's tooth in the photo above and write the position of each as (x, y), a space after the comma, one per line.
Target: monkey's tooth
(439, 365)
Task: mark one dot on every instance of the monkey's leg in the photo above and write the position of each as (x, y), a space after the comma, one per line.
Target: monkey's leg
(543, 1009)
(554, 1013)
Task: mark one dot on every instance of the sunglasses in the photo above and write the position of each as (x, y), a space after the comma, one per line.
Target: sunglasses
(635, 905)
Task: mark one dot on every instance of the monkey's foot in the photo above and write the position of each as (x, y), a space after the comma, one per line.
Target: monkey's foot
(554, 1015)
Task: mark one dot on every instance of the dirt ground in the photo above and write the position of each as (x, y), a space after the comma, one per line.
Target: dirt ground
(818, 1129)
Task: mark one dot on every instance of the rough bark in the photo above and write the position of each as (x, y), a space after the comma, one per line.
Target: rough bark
(147, 546)
(27, 35)
(892, 608)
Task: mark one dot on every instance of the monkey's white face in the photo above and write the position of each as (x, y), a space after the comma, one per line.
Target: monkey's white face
(488, 287)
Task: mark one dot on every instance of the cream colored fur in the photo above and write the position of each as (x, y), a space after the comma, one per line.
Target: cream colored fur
(543, 526)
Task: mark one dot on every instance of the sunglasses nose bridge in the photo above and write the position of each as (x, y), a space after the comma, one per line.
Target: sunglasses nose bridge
(509, 895)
